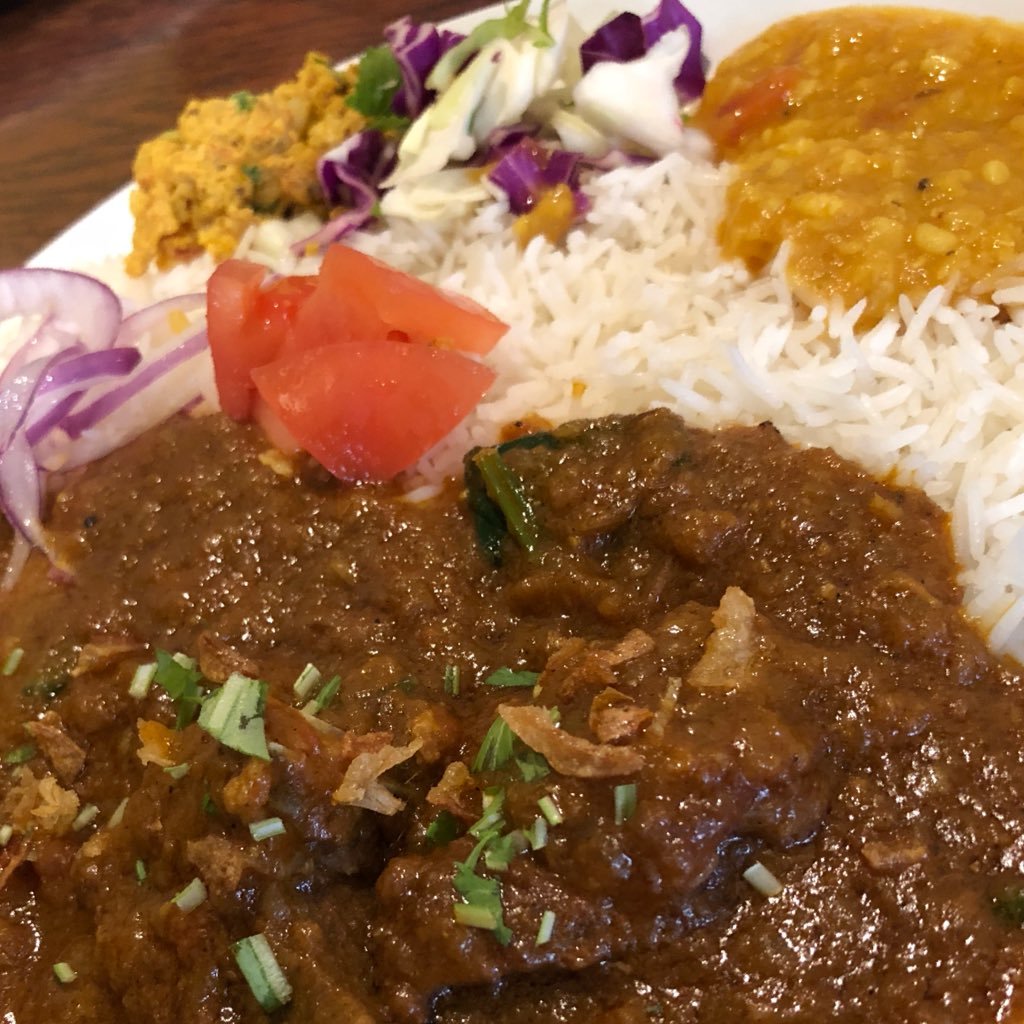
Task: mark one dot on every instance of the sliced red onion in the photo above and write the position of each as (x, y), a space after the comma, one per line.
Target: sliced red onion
(65, 297)
(108, 403)
(140, 323)
(350, 176)
(66, 383)
(628, 37)
(77, 345)
(417, 48)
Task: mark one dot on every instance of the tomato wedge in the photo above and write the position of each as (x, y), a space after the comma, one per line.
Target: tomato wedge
(362, 365)
(409, 306)
(248, 324)
(369, 409)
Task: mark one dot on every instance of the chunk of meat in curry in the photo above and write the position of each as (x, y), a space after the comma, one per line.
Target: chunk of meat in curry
(726, 655)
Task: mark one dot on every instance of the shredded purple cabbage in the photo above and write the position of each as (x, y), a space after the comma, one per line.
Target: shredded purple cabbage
(528, 170)
(628, 37)
(417, 48)
(350, 177)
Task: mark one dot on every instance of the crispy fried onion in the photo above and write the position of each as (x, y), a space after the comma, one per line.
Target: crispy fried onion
(576, 664)
(726, 663)
(456, 792)
(616, 718)
(568, 754)
(361, 786)
(33, 803)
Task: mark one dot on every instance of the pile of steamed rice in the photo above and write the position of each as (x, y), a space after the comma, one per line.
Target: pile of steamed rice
(638, 310)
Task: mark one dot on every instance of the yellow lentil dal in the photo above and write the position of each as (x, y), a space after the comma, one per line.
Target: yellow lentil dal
(885, 144)
(230, 161)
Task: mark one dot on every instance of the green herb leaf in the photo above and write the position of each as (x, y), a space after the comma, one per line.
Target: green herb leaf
(512, 677)
(496, 749)
(253, 173)
(443, 829)
(378, 79)
(180, 679)
(19, 755)
(243, 100)
(492, 820)
(233, 715)
(505, 489)
(140, 871)
(501, 852)
(482, 897)
(532, 765)
(326, 695)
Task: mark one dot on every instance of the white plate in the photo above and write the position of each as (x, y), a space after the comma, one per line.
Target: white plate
(107, 229)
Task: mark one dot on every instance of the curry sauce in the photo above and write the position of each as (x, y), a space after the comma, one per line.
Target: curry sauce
(882, 145)
(717, 652)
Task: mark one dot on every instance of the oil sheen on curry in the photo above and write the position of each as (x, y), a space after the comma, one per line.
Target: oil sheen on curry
(699, 734)
(882, 144)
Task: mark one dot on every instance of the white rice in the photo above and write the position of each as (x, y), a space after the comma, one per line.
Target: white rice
(639, 308)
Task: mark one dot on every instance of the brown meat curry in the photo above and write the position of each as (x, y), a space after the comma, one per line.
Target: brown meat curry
(545, 776)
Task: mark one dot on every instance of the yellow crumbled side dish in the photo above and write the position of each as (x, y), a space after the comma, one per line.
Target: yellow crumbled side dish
(230, 161)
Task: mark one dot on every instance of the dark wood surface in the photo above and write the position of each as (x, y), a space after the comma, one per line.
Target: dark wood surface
(83, 82)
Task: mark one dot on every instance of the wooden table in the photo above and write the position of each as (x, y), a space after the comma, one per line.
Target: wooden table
(83, 82)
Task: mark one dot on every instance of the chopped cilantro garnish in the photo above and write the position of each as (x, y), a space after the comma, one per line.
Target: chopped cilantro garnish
(13, 660)
(550, 810)
(492, 819)
(253, 173)
(501, 851)
(64, 973)
(266, 829)
(178, 675)
(140, 871)
(19, 755)
(500, 745)
(481, 897)
(378, 79)
(443, 829)
(532, 765)
(191, 896)
(496, 749)
(452, 680)
(512, 677)
(142, 680)
(308, 678)
(323, 699)
(261, 970)
(243, 100)
(234, 715)
(546, 929)
(625, 802)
